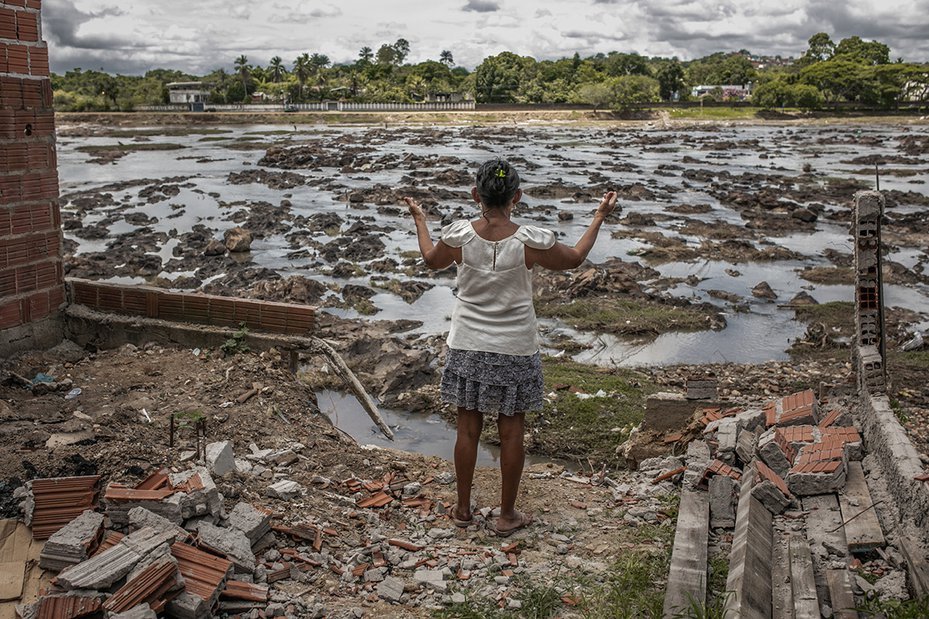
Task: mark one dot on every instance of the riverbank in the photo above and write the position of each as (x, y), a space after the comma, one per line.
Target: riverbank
(669, 117)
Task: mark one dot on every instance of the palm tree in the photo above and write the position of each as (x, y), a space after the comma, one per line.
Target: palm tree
(277, 69)
(446, 58)
(302, 70)
(244, 71)
(366, 54)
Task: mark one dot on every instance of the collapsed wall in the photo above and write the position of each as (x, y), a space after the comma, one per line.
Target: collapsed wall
(887, 440)
(31, 277)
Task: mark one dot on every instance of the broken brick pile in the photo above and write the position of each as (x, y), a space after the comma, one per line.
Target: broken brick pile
(799, 449)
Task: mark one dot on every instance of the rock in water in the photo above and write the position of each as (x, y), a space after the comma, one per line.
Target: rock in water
(238, 239)
(764, 291)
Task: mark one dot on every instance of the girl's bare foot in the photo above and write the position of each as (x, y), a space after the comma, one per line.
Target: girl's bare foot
(507, 525)
(461, 518)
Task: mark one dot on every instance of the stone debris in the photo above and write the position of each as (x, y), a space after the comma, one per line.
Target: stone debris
(251, 521)
(102, 570)
(73, 543)
(724, 493)
(284, 490)
(220, 458)
(231, 542)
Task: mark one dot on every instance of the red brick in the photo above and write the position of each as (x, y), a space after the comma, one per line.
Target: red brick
(27, 26)
(38, 61)
(16, 252)
(767, 473)
(7, 24)
(33, 96)
(10, 314)
(38, 305)
(17, 59)
(7, 283)
(770, 414)
(10, 189)
(56, 297)
(32, 4)
(842, 435)
(8, 124)
(21, 3)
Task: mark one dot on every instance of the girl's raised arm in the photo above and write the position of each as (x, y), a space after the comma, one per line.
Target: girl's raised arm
(561, 257)
(437, 256)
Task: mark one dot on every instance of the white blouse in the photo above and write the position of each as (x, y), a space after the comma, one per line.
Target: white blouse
(494, 311)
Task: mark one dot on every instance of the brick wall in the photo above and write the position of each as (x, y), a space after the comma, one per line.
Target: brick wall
(31, 282)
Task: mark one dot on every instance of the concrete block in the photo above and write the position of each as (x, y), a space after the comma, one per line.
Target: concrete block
(770, 451)
(73, 543)
(723, 497)
(283, 457)
(390, 589)
(203, 499)
(697, 458)
(817, 478)
(253, 522)
(750, 419)
(219, 458)
(231, 542)
(745, 446)
(750, 560)
(668, 412)
(189, 606)
(139, 517)
(727, 434)
(284, 490)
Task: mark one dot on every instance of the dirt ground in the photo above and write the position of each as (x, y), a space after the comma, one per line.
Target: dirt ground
(118, 427)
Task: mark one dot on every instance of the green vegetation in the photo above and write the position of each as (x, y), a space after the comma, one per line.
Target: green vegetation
(853, 71)
(625, 316)
(634, 587)
(895, 609)
(570, 426)
(237, 343)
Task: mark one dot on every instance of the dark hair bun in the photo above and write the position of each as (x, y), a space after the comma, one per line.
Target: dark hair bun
(497, 182)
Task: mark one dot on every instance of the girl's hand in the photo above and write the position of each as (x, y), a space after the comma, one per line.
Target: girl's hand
(415, 209)
(607, 204)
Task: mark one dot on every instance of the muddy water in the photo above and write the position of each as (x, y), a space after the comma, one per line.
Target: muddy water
(426, 434)
(758, 331)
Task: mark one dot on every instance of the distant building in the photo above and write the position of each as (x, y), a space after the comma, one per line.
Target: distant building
(445, 97)
(727, 92)
(188, 92)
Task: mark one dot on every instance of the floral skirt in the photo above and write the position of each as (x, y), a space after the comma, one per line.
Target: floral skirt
(492, 383)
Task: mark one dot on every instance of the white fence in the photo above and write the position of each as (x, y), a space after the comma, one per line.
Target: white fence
(325, 106)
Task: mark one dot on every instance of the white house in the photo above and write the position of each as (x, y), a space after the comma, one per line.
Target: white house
(188, 92)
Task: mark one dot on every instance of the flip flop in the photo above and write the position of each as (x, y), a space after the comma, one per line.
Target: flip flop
(524, 521)
(461, 523)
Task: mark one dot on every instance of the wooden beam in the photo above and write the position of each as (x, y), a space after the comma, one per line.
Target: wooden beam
(841, 594)
(803, 586)
(862, 528)
(749, 584)
(687, 578)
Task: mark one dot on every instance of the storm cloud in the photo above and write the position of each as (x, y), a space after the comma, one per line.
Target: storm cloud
(132, 37)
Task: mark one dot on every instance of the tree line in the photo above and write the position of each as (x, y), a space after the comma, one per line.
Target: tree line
(852, 70)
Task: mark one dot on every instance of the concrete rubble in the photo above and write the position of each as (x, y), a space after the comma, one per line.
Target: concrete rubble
(73, 543)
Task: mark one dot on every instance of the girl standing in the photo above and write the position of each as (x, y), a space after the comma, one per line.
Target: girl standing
(493, 367)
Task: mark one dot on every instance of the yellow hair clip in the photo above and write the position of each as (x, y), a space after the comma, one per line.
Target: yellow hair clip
(501, 173)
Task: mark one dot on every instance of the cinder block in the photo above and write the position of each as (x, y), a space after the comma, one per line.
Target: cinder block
(777, 456)
(723, 498)
(771, 490)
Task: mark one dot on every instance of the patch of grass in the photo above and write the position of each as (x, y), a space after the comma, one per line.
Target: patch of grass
(837, 319)
(828, 275)
(719, 573)
(634, 588)
(216, 138)
(134, 146)
(625, 316)
(569, 426)
(714, 113)
(472, 609)
(913, 360)
(895, 609)
(160, 131)
(539, 601)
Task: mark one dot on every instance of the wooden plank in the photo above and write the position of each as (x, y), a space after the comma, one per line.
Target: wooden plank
(687, 577)
(841, 595)
(803, 586)
(863, 533)
(782, 596)
(749, 587)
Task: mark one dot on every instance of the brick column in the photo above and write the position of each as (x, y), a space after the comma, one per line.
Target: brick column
(31, 279)
(869, 292)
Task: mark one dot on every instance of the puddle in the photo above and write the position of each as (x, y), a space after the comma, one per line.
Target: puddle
(429, 435)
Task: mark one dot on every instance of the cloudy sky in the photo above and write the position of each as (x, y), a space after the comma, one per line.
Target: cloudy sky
(131, 36)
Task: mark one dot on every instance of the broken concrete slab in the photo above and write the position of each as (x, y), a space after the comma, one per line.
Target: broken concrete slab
(142, 611)
(102, 570)
(745, 446)
(778, 456)
(284, 490)
(390, 589)
(220, 458)
(687, 576)
(669, 412)
(749, 579)
(231, 542)
(73, 543)
(139, 517)
(253, 522)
